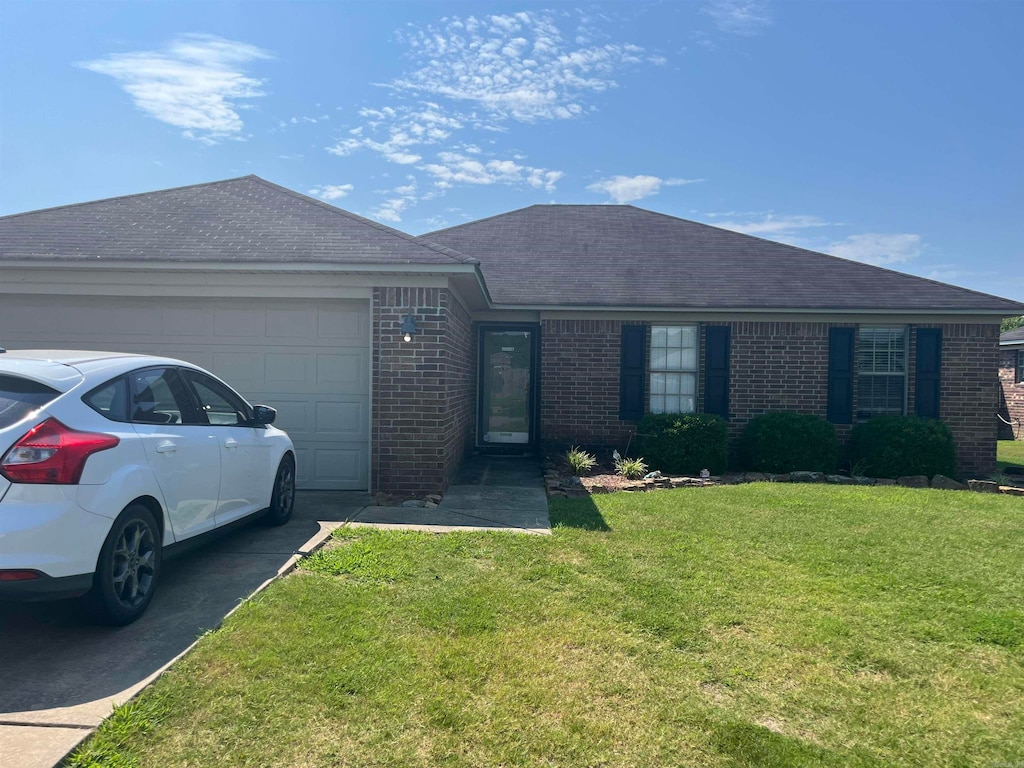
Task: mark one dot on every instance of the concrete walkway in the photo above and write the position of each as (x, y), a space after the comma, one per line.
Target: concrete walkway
(491, 493)
(60, 677)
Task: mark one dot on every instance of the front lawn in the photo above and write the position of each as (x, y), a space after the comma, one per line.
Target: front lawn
(1009, 452)
(755, 625)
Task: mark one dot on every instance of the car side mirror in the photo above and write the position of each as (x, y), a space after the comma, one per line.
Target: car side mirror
(263, 415)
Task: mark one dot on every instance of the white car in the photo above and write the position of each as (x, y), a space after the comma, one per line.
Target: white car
(107, 459)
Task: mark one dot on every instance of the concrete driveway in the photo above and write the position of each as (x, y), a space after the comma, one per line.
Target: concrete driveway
(59, 677)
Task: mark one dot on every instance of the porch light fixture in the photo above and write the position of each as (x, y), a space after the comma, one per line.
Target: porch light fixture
(409, 326)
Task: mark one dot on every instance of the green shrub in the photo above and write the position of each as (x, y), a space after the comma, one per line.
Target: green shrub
(894, 446)
(683, 443)
(787, 442)
(580, 461)
(631, 469)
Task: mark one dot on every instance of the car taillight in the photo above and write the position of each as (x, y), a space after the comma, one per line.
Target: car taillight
(53, 453)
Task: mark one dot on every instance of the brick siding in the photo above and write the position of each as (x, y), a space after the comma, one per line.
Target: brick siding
(1011, 401)
(773, 366)
(422, 390)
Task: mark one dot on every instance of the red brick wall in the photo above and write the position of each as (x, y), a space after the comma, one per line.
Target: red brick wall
(461, 394)
(422, 390)
(579, 384)
(774, 366)
(1011, 394)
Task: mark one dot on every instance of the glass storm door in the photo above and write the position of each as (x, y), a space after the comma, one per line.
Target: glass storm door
(506, 386)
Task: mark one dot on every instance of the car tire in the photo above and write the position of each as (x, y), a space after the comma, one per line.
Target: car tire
(282, 501)
(128, 568)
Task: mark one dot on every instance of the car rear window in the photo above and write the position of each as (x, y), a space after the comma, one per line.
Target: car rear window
(19, 397)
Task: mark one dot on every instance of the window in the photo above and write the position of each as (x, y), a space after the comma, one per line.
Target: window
(1020, 366)
(158, 397)
(881, 372)
(19, 397)
(673, 368)
(221, 406)
(110, 400)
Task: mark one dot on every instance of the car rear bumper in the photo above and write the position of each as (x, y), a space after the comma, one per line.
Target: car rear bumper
(45, 587)
(42, 528)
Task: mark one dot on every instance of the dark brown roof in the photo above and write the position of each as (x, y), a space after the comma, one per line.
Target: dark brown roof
(238, 220)
(620, 255)
(1016, 336)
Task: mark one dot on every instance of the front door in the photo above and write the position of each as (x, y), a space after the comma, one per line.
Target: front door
(507, 386)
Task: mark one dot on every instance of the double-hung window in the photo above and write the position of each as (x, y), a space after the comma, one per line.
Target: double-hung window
(881, 371)
(1020, 366)
(673, 369)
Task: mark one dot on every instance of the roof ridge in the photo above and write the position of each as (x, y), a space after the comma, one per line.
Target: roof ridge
(125, 197)
(449, 252)
(822, 254)
(480, 221)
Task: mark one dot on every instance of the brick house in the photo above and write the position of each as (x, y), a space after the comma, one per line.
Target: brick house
(389, 357)
(1011, 384)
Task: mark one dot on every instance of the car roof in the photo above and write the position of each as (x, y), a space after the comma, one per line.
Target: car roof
(63, 368)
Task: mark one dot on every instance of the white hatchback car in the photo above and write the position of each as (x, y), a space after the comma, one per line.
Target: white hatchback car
(106, 459)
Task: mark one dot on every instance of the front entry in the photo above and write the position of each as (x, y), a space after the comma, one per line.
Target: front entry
(507, 394)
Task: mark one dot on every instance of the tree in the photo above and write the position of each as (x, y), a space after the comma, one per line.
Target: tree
(1010, 323)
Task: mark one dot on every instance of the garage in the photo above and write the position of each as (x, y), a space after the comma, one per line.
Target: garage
(309, 359)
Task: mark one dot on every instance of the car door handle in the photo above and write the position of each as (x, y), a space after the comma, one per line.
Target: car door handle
(230, 443)
(166, 448)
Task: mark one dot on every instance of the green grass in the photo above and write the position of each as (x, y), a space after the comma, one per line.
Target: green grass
(757, 625)
(1009, 452)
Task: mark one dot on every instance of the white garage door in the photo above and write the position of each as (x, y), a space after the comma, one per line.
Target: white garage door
(307, 359)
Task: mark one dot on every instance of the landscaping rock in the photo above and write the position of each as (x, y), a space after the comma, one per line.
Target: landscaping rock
(913, 481)
(1011, 490)
(839, 480)
(947, 483)
(731, 479)
(413, 503)
(806, 477)
(755, 477)
(864, 480)
(885, 481)
(434, 497)
(429, 504)
(784, 477)
(983, 486)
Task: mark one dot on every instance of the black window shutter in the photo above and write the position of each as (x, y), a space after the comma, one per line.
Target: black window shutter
(632, 364)
(840, 375)
(716, 370)
(928, 372)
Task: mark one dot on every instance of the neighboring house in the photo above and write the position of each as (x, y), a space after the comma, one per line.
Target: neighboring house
(1011, 381)
(578, 319)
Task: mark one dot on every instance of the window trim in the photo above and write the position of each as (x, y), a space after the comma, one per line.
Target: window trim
(1019, 377)
(906, 368)
(695, 372)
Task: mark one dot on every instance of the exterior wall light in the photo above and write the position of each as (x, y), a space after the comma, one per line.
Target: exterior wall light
(409, 326)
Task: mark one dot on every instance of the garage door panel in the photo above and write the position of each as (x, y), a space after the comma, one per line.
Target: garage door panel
(345, 372)
(309, 360)
(342, 326)
(243, 322)
(338, 466)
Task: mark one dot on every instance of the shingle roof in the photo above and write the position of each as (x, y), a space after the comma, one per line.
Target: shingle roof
(1016, 336)
(238, 220)
(620, 255)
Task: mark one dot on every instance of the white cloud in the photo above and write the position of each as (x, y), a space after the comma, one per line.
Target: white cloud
(403, 197)
(770, 224)
(625, 189)
(197, 83)
(456, 168)
(331, 191)
(739, 17)
(517, 66)
(878, 248)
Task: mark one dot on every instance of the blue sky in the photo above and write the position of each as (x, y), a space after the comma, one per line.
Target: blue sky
(888, 132)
